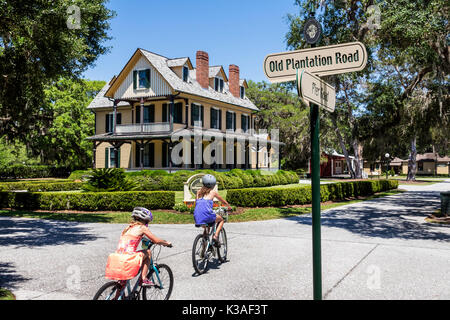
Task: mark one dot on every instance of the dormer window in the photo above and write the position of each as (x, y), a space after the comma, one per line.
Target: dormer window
(242, 92)
(218, 84)
(141, 79)
(185, 73)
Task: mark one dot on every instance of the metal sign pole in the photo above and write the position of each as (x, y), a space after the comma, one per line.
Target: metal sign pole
(315, 189)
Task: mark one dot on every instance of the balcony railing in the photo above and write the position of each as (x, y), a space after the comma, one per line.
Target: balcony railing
(143, 128)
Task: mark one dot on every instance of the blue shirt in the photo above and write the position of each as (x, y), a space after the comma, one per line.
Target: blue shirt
(203, 212)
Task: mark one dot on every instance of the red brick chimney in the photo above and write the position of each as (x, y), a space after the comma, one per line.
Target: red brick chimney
(233, 80)
(202, 65)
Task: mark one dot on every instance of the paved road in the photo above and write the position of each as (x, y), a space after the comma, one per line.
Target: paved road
(378, 249)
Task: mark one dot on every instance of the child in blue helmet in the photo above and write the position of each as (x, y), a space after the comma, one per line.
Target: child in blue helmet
(132, 236)
(203, 212)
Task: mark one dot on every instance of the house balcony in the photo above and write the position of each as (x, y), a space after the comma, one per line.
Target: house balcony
(154, 127)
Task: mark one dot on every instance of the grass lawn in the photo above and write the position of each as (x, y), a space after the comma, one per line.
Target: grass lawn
(166, 217)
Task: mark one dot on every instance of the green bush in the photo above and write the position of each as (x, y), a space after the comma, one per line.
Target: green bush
(20, 171)
(89, 201)
(275, 197)
(109, 179)
(40, 186)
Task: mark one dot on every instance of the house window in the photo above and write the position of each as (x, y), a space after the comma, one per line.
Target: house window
(110, 158)
(149, 114)
(420, 166)
(141, 79)
(196, 115)
(148, 156)
(178, 113)
(185, 73)
(216, 118)
(242, 92)
(218, 84)
(244, 122)
(231, 120)
(109, 121)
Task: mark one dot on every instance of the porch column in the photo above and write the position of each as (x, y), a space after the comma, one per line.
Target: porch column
(269, 148)
(171, 109)
(257, 154)
(114, 116)
(141, 154)
(94, 151)
(142, 116)
(170, 155)
(332, 166)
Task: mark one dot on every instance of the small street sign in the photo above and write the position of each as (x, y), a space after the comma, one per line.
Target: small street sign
(320, 61)
(312, 31)
(313, 89)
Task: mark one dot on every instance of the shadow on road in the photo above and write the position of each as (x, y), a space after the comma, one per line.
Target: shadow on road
(8, 276)
(399, 216)
(39, 233)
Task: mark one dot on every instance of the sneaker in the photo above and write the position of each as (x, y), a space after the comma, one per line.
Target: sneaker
(216, 243)
(147, 283)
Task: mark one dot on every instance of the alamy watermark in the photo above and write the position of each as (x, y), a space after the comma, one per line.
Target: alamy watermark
(74, 17)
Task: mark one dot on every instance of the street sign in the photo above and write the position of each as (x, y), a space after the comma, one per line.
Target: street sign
(321, 61)
(313, 89)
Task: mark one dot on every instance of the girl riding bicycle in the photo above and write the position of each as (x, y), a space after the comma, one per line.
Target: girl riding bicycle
(203, 212)
(125, 263)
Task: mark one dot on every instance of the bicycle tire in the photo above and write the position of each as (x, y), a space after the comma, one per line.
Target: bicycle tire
(116, 288)
(222, 251)
(155, 291)
(199, 255)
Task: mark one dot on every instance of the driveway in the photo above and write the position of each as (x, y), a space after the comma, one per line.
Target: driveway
(377, 249)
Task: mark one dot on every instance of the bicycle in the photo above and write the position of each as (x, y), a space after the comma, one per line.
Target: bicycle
(160, 274)
(203, 249)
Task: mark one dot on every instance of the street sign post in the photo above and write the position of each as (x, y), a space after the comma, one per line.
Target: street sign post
(321, 61)
(305, 66)
(313, 89)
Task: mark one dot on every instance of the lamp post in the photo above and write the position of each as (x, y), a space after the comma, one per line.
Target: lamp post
(387, 164)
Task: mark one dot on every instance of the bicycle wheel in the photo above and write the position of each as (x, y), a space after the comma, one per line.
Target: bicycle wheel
(200, 257)
(163, 284)
(223, 249)
(109, 291)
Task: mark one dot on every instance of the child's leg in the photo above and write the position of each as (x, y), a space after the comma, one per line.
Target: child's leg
(146, 263)
(219, 220)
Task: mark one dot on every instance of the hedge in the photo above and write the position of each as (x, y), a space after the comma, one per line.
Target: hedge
(275, 197)
(32, 186)
(20, 171)
(89, 201)
(232, 179)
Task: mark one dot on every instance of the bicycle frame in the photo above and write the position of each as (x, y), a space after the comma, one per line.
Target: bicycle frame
(127, 285)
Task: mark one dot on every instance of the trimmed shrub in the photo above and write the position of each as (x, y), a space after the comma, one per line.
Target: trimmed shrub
(275, 197)
(41, 186)
(19, 171)
(89, 201)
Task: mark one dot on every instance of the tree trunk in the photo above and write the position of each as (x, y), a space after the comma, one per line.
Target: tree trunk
(412, 163)
(357, 153)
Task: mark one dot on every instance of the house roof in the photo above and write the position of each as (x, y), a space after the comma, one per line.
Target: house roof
(100, 101)
(163, 66)
(215, 70)
(178, 62)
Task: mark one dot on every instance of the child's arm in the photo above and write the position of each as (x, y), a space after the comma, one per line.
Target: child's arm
(154, 238)
(216, 194)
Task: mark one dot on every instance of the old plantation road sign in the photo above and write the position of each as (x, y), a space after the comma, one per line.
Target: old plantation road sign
(320, 61)
(312, 89)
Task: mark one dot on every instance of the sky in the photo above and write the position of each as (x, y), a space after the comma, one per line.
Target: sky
(240, 32)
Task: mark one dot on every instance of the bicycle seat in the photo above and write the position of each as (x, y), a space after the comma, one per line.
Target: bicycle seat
(205, 225)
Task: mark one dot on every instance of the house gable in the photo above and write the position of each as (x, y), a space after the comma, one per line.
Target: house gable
(124, 87)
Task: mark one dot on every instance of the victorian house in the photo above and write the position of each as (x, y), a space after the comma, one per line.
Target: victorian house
(154, 99)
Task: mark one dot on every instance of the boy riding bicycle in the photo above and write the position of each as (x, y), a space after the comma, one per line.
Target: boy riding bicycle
(125, 263)
(203, 212)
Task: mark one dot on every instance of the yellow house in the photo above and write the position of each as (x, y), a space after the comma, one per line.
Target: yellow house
(428, 164)
(162, 113)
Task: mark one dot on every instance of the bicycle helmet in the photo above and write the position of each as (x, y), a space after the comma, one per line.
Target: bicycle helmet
(142, 214)
(209, 180)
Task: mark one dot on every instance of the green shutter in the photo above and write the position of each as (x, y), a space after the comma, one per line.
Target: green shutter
(202, 115)
(106, 158)
(152, 155)
(118, 159)
(106, 122)
(147, 78)
(164, 113)
(119, 118)
(134, 79)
